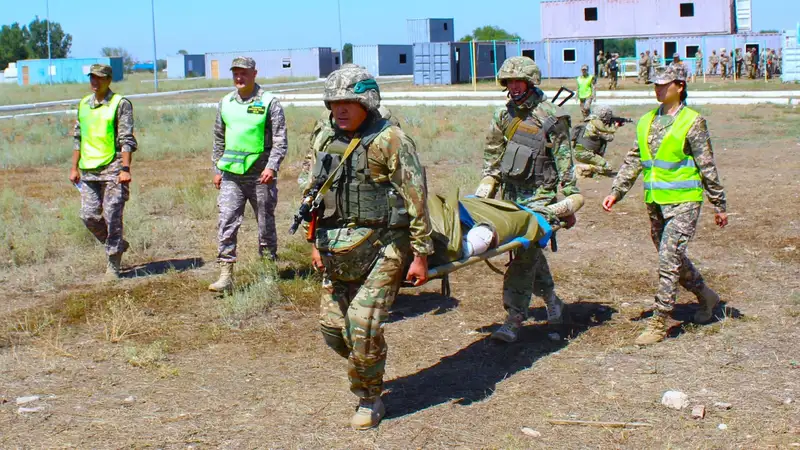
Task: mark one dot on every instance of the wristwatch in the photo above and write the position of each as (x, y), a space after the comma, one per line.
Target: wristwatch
(126, 169)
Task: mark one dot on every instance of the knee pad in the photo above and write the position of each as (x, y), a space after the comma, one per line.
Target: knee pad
(334, 339)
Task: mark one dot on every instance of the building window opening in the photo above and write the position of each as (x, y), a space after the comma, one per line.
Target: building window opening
(590, 14)
(445, 26)
(691, 51)
(687, 9)
(403, 58)
(286, 63)
(530, 54)
(569, 55)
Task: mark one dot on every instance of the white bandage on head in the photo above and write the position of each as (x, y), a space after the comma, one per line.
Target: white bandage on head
(478, 240)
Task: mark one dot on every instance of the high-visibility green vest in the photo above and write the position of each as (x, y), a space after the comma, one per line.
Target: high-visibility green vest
(245, 127)
(98, 133)
(585, 86)
(672, 176)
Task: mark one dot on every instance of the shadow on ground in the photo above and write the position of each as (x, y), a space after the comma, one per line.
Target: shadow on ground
(161, 267)
(471, 375)
(409, 306)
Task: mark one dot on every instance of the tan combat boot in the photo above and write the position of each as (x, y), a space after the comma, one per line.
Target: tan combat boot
(655, 331)
(369, 413)
(708, 301)
(556, 309)
(510, 329)
(225, 282)
(113, 267)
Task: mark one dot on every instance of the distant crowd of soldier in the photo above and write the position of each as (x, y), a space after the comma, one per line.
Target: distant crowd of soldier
(741, 64)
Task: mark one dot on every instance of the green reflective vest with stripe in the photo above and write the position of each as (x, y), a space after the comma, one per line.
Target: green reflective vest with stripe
(98, 132)
(245, 128)
(671, 176)
(585, 86)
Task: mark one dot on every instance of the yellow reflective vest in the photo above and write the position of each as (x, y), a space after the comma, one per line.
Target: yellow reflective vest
(98, 132)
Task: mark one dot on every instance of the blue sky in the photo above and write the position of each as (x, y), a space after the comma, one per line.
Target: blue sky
(201, 26)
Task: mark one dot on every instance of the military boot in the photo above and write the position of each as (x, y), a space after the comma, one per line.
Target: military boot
(369, 413)
(556, 309)
(113, 267)
(510, 329)
(708, 301)
(225, 282)
(655, 331)
(266, 253)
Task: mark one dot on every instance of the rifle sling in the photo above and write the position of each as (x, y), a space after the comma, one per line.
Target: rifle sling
(329, 182)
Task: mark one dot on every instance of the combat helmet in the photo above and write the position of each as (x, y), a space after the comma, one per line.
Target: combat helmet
(519, 68)
(604, 113)
(352, 83)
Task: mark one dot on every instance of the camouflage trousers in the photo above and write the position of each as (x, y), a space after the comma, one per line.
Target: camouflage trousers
(233, 198)
(102, 203)
(597, 162)
(353, 314)
(613, 77)
(642, 74)
(527, 274)
(586, 106)
(724, 73)
(671, 235)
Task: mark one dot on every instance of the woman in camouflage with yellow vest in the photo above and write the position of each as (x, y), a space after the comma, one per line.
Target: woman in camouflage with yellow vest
(673, 152)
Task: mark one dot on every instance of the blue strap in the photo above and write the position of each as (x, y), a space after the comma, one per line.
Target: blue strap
(543, 224)
(466, 218)
(525, 242)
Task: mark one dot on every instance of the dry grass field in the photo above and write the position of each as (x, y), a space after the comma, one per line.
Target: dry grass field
(156, 361)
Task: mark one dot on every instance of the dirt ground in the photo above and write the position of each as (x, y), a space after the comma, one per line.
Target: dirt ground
(272, 383)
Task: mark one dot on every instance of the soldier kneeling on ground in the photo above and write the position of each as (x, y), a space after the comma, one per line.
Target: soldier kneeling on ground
(591, 140)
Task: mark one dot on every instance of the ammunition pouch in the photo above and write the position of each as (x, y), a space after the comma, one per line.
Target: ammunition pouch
(527, 160)
(348, 254)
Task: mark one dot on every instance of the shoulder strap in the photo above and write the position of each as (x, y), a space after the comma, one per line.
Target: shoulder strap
(329, 182)
(512, 128)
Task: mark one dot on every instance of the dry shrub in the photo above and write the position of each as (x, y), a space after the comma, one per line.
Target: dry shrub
(121, 319)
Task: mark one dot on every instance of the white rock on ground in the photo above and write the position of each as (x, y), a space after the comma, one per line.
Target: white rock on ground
(675, 400)
(699, 412)
(723, 406)
(531, 432)
(28, 399)
(722, 426)
(23, 410)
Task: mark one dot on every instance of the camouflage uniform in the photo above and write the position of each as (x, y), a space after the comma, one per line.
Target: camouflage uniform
(586, 103)
(613, 74)
(599, 131)
(102, 196)
(237, 190)
(672, 226)
(698, 64)
(739, 63)
(724, 61)
(355, 308)
(643, 66)
(528, 273)
(601, 64)
(713, 60)
(748, 65)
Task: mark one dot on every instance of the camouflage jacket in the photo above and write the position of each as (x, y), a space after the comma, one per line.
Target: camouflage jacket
(125, 141)
(713, 59)
(558, 140)
(644, 61)
(275, 142)
(596, 129)
(392, 157)
(698, 145)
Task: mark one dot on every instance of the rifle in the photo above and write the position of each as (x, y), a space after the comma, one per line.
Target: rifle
(571, 94)
(307, 212)
(621, 120)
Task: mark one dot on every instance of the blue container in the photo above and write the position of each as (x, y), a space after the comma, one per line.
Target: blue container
(65, 70)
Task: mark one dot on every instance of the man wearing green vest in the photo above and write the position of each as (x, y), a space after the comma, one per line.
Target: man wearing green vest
(673, 152)
(249, 146)
(101, 163)
(586, 90)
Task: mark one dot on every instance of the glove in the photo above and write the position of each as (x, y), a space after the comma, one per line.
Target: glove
(487, 188)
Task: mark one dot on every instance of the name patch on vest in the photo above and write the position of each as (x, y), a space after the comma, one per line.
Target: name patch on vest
(256, 109)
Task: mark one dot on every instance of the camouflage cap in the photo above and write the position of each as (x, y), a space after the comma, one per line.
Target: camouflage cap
(585, 67)
(243, 62)
(668, 74)
(519, 68)
(101, 70)
(676, 55)
(352, 83)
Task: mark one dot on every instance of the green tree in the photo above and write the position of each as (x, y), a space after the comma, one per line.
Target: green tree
(769, 31)
(127, 58)
(183, 52)
(625, 47)
(490, 33)
(36, 39)
(12, 44)
(161, 64)
(347, 53)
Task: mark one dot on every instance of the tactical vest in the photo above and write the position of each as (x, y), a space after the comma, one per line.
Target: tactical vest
(670, 176)
(594, 145)
(527, 161)
(98, 133)
(585, 86)
(355, 198)
(245, 133)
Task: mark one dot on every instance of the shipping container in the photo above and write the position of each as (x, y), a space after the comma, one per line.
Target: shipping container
(591, 19)
(186, 66)
(791, 65)
(315, 62)
(451, 62)
(687, 46)
(430, 30)
(66, 70)
(385, 60)
(557, 58)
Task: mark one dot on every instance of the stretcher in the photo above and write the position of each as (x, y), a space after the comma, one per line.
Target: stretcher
(507, 219)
